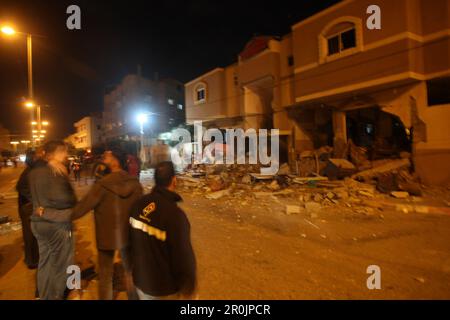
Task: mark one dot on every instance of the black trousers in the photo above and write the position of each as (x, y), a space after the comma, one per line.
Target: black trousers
(31, 248)
(106, 270)
(56, 254)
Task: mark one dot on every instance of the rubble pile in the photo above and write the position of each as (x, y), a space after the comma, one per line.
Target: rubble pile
(317, 180)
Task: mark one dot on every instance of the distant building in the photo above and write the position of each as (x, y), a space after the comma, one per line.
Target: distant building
(88, 132)
(332, 80)
(161, 100)
(5, 140)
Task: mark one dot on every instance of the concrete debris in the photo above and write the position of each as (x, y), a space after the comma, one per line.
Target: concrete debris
(218, 194)
(10, 227)
(312, 206)
(385, 168)
(274, 185)
(216, 183)
(247, 179)
(339, 169)
(400, 194)
(4, 219)
(284, 170)
(290, 209)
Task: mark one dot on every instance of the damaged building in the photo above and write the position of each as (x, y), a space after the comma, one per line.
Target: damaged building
(363, 95)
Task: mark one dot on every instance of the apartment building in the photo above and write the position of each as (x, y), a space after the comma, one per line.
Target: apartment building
(161, 100)
(333, 79)
(88, 133)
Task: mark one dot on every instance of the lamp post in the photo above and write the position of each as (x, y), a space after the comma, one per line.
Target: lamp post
(142, 119)
(9, 31)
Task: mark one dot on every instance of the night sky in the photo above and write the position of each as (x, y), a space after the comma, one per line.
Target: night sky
(177, 39)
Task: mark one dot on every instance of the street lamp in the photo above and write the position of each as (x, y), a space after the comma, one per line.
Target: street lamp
(142, 118)
(9, 31)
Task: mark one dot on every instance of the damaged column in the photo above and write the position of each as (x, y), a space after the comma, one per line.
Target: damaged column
(340, 134)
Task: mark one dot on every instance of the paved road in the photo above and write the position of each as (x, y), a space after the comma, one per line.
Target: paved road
(254, 251)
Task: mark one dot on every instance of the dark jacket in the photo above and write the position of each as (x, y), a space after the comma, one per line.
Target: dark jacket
(50, 190)
(162, 256)
(111, 198)
(23, 184)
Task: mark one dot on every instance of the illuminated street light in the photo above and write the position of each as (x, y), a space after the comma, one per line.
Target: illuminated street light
(33, 123)
(43, 131)
(45, 123)
(29, 104)
(15, 142)
(9, 31)
(25, 141)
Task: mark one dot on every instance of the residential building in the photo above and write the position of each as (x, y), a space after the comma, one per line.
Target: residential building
(88, 133)
(332, 80)
(5, 139)
(161, 100)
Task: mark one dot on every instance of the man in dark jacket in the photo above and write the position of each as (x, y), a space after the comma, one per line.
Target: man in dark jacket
(111, 198)
(25, 206)
(50, 188)
(164, 264)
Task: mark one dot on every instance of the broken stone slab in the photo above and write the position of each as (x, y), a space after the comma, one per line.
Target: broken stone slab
(366, 193)
(305, 180)
(9, 195)
(292, 209)
(400, 194)
(284, 170)
(339, 169)
(4, 219)
(312, 207)
(385, 168)
(274, 185)
(218, 194)
(259, 176)
(247, 179)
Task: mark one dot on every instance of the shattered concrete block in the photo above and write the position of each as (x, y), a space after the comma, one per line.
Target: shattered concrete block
(318, 197)
(312, 206)
(339, 169)
(218, 194)
(291, 209)
(400, 194)
(284, 170)
(274, 185)
(247, 179)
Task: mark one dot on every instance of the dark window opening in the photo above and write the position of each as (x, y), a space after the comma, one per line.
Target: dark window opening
(333, 45)
(290, 61)
(438, 91)
(348, 39)
(342, 41)
(200, 94)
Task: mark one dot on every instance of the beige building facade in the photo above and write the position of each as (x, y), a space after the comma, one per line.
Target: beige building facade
(88, 133)
(333, 80)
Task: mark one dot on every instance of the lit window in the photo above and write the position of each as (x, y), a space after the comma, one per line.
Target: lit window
(180, 107)
(171, 102)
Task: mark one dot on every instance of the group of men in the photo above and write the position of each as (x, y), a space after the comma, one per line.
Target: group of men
(150, 232)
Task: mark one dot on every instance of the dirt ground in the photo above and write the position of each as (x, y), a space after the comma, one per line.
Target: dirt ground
(247, 247)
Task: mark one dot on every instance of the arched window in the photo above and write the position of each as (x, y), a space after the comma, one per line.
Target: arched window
(340, 38)
(200, 93)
